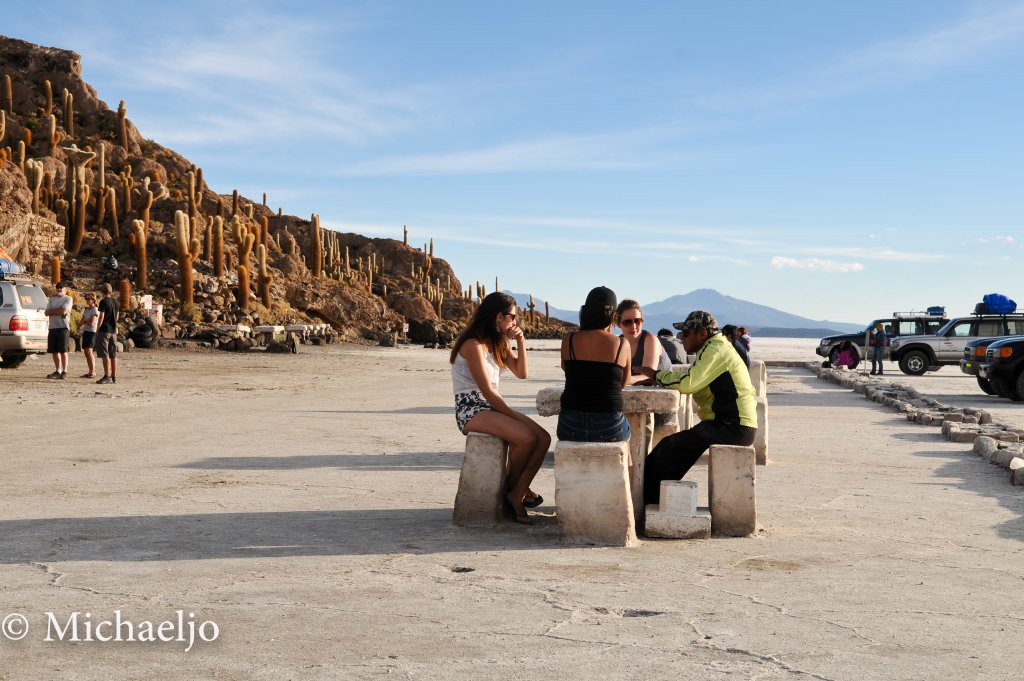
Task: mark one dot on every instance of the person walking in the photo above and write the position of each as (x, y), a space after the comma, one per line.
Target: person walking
(58, 314)
(106, 335)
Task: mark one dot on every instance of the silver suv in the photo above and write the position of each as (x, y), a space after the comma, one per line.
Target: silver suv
(23, 326)
(918, 354)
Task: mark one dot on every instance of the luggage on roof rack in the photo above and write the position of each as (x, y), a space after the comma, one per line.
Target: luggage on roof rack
(933, 311)
(8, 267)
(995, 303)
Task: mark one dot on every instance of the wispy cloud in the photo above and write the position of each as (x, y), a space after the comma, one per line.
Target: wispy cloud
(782, 262)
(885, 64)
(886, 254)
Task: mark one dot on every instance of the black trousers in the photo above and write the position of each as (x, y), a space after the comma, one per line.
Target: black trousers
(677, 453)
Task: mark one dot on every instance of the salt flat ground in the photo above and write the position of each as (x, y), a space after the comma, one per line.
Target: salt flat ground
(303, 504)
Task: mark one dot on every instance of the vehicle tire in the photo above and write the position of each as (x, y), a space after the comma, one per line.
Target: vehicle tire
(914, 363)
(1002, 387)
(13, 359)
(986, 386)
(145, 334)
(1018, 385)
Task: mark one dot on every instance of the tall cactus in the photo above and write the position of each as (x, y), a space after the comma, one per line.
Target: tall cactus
(264, 277)
(315, 257)
(243, 287)
(48, 87)
(244, 239)
(34, 175)
(137, 239)
(218, 247)
(187, 253)
(122, 125)
(126, 294)
(8, 95)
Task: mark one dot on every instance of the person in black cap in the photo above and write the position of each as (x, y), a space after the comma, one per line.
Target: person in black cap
(596, 365)
(720, 384)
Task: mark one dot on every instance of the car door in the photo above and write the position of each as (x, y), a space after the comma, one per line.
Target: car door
(950, 347)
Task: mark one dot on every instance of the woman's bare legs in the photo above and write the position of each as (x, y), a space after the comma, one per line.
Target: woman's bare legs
(527, 445)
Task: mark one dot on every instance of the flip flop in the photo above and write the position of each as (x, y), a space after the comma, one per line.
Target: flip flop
(536, 501)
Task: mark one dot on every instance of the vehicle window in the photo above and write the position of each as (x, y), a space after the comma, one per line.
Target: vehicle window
(1016, 327)
(32, 297)
(907, 328)
(932, 327)
(960, 329)
(991, 327)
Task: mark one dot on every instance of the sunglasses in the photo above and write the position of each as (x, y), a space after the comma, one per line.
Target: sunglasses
(632, 322)
(509, 314)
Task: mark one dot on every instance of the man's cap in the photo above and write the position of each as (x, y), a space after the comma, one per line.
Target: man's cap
(602, 296)
(61, 284)
(698, 320)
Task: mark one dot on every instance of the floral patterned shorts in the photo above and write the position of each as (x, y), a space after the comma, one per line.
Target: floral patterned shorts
(467, 405)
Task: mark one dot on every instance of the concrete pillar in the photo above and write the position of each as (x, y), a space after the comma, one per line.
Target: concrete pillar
(482, 481)
(761, 439)
(642, 426)
(731, 490)
(759, 377)
(592, 496)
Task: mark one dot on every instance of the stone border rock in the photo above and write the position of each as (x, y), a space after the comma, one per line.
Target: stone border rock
(997, 442)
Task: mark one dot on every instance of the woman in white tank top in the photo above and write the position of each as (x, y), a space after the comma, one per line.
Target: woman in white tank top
(479, 355)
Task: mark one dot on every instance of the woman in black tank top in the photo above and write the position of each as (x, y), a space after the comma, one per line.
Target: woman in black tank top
(596, 364)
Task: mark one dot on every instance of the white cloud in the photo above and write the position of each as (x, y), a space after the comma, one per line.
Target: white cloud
(781, 262)
(1005, 239)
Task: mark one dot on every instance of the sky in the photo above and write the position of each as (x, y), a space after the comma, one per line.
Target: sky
(836, 160)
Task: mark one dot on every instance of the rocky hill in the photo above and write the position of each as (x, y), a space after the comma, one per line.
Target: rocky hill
(79, 183)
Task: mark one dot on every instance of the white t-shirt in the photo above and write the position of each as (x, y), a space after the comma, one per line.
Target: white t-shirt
(60, 321)
(90, 318)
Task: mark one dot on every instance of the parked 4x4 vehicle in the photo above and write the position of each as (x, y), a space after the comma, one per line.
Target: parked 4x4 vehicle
(918, 354)
(974, 357)
(23, 326)
(1004, 367)
(900, 324)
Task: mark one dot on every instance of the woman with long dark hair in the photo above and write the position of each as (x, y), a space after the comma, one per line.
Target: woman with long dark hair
(597, 365)
(479, 355)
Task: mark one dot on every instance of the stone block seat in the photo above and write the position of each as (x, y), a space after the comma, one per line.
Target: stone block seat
(731, 495)
(482, 481)
(676, 516)
(592, 493)
(761, 439)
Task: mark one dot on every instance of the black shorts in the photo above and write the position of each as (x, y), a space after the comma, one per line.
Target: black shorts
(88, 340)
(58, 340)
(106, 344)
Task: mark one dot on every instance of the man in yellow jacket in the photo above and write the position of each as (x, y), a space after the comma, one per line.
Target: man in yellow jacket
(720, 384)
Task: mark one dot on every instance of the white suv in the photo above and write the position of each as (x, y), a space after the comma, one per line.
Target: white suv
(23, 326)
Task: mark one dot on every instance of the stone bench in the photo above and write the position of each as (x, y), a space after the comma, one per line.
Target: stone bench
(482, 481)
(675, 516)
(592, 494)
(731, 494)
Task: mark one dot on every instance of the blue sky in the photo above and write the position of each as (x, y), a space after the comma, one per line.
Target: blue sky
(835, 160)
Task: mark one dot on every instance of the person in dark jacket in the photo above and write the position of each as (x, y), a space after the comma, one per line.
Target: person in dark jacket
(733, 334)
(672, 346)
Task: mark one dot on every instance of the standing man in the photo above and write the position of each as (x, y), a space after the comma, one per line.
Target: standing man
(58, 313)
(878, 340)
(106, 335)
(720, 383)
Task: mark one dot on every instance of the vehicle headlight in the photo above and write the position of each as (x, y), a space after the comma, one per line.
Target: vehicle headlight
(893, 345)
(1005, 352)
(825, 342)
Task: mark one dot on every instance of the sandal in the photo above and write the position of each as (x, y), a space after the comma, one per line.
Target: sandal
(510, 511)
(536, 501)
(88, 375)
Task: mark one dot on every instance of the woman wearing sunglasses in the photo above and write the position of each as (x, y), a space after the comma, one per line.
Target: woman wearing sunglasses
(478, 357)
(644, 347)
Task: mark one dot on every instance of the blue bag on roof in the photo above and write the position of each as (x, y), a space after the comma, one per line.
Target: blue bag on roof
(936, 310)
(8, 266)
(997, 303)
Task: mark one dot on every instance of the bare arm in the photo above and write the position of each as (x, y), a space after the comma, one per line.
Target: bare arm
(652, 353)
(519, 366)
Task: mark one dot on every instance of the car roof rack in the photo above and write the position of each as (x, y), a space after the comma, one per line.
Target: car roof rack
(14, 276)
(918, 313)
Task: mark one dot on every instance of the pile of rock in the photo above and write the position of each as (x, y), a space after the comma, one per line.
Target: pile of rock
(1009, 455)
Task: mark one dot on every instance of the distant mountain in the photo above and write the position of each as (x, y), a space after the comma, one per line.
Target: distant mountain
(729, 310)
(759, 319)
